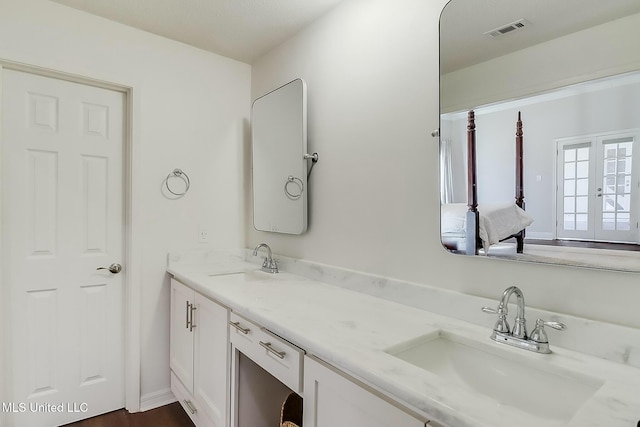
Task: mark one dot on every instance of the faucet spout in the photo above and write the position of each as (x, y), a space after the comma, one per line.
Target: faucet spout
(262, 245)
(269, 265)
(519, 323)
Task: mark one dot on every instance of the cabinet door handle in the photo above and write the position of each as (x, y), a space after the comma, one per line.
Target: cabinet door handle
(240, 328)
(191, 324)
(267, 345)
(190, 406)
(188, 312)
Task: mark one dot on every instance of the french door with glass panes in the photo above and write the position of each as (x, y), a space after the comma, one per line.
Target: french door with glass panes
(597, 188)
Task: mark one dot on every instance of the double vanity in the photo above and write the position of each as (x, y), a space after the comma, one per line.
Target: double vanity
(244, 341)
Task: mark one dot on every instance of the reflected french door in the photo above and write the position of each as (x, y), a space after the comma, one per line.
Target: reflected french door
(597, 188)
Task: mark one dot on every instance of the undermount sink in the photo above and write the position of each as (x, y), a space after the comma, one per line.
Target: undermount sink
(529, 384)
(244, 276)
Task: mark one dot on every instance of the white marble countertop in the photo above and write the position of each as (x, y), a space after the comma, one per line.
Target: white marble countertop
(351, 330)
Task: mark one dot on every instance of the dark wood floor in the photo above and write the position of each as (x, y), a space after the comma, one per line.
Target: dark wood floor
(586, 244)
(165, 416)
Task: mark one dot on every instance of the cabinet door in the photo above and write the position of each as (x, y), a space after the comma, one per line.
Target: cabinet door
(211, 359)
(181, 353)
(331, 399)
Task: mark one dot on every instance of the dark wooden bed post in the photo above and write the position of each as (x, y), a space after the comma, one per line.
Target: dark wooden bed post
(473, 216)
(519, 164)
(519, 180)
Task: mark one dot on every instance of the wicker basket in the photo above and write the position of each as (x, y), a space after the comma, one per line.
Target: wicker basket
(291, 412)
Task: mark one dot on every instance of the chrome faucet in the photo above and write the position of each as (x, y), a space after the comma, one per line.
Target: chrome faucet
(517, 337)
(269, 265)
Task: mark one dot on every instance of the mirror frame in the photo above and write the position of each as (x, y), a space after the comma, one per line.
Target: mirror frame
(279, 166)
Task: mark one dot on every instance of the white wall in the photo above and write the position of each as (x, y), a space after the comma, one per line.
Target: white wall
(372, 74)
(192, 112)
(373, 139)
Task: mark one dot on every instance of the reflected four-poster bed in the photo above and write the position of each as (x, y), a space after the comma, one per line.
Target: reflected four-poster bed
(467, 228)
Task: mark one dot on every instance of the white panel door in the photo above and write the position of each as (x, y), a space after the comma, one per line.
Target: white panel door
(62, 150)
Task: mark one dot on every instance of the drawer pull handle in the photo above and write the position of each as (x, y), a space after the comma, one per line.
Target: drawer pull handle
(267, 345)
(190, 406)
(191, 324)
(240, 328)
(188, 311)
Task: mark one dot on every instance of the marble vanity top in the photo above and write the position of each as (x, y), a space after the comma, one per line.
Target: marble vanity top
(351, 330)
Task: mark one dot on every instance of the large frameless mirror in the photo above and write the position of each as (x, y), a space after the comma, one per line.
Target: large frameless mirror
(540, 130)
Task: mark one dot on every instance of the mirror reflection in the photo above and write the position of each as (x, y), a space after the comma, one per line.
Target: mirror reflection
(279, 166)
(539, 132)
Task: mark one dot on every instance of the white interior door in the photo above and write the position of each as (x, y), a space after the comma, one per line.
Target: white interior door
(62, 185)
(616, 209)
(597, 188)
(575, 196)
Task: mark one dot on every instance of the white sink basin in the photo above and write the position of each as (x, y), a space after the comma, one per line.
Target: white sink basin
(527, 383)
(243, 276)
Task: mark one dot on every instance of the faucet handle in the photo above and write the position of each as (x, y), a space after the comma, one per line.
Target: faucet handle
(489, 310)
(555, 325)
(500, 311)
(540, 335)
(270, 265)
(501, 324)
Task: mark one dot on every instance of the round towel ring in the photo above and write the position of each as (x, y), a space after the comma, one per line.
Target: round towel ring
(297, 181)
(178, 173)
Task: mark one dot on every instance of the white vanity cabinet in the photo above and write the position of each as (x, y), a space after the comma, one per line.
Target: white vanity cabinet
(331, 398)
(265, 370)
(199, 349)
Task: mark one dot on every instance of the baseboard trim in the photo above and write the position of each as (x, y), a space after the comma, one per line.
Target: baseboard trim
(156, 399)
(539, 235)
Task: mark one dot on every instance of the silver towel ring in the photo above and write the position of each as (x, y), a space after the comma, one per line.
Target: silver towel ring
(297, 181)
(178, 173)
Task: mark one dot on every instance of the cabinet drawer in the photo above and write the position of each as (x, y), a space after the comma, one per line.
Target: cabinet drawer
(184, 397)
(189, 404)
(280, 358)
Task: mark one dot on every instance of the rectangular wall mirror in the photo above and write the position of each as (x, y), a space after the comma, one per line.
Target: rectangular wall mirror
(279, 144)
(567, 173)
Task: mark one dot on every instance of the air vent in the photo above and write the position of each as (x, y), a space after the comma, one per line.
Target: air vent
(509, 28)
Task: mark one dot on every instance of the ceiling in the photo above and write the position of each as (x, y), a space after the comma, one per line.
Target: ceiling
(239, 29)
(247, 29)
(464, 22)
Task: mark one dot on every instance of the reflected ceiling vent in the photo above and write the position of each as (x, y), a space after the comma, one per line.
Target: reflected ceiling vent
(509, 28)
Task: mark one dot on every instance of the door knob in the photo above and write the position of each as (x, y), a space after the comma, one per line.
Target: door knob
(114, 268)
